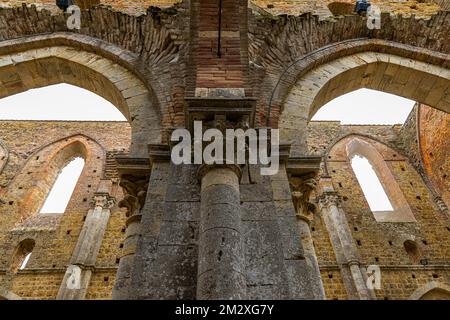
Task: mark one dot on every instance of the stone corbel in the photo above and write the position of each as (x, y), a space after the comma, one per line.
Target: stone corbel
(303, 181)
(134, 176)
(302, 188)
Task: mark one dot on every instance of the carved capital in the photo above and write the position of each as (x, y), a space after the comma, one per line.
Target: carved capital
(301, 189)
(221, 123)
(135, 193)
(329, 198)
(221, 113)
(104, 201)
(134, 179)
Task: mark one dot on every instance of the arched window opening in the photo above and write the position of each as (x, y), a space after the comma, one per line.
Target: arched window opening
(381, 190)
(413, 251)
(25, 261)
(59, 196)
(366, 106)
(22, 255)
(370, 184)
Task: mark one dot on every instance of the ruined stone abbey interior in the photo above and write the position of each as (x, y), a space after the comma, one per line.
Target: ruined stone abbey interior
(138, 226)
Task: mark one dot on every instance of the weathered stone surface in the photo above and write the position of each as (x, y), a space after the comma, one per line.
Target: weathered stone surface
(236, 234)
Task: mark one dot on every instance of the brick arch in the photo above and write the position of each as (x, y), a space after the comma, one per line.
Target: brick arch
(4, 155)
(39, 173)
(426, 82)
(432, 291)
(352, 145)
(88, 63)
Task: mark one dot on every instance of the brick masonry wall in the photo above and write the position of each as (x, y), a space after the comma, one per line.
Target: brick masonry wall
(42, 277)
(435, 148)
(57, 235)
(382, 243)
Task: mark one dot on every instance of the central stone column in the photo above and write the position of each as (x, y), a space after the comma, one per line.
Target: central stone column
(221, 254)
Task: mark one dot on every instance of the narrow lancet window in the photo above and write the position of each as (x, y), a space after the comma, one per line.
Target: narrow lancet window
(61, 192)
(370, 184)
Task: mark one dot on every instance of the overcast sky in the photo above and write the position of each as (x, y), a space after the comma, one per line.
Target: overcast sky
(365, 106)
(59, 196)
(58, 102)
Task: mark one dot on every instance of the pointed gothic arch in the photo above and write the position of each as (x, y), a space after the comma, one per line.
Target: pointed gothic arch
(111, 73)
(42, 168)
(359, 145)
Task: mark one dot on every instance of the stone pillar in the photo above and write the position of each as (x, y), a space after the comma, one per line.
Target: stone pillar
(343, 244)
(134, 181)
(221, 273)
(77, 277)
(301, 189)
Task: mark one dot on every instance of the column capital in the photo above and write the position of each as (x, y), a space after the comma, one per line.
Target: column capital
(329, 198)
(134, 176)
(103, 200)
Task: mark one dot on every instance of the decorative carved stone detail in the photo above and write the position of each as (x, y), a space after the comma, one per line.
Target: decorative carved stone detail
(329, 198)
(104, 201)
(302, 187)
(221, 123)
(136, 192)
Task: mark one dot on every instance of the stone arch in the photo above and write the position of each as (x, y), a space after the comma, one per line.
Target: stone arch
(88, 63)
(375, 64)
(358, 145)
(8, 295)
(432, 291)
(39, 173)
(4, 156)
(339, 8)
